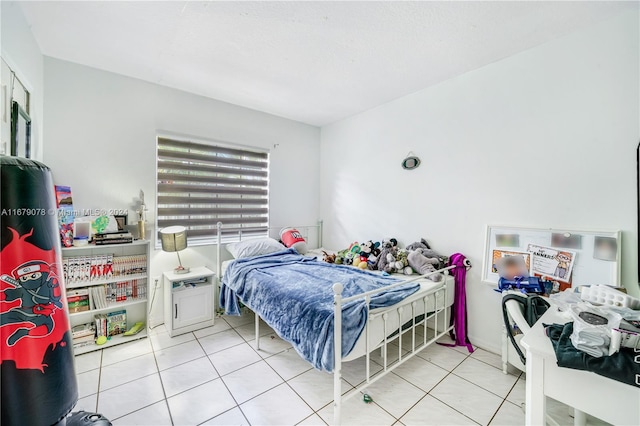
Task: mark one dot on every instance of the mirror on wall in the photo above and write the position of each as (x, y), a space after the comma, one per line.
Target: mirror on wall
(20, 131)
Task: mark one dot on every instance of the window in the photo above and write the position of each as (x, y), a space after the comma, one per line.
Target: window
(200, 185)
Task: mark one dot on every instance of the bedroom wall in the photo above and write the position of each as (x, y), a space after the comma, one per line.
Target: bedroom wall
(101, 129)
(21, 53)
(545, 138)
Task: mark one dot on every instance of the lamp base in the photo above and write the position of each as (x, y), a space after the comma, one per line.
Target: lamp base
(182, 270)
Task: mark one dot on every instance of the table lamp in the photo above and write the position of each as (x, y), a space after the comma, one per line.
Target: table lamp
(174, 238)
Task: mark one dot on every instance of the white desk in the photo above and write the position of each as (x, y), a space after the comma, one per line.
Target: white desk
(609, 400)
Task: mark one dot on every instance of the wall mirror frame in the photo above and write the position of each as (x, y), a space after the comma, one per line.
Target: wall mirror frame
(20, 131)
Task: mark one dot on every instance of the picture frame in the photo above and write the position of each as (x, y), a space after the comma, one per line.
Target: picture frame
(588, 264)
(20, 131)
(121, 219)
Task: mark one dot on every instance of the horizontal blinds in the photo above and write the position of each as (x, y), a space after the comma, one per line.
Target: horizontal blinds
(200, 185)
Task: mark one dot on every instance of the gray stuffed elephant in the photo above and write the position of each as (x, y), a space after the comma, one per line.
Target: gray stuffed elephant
(423, 264)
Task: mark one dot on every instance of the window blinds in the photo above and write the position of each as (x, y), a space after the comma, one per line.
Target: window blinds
(200, 185)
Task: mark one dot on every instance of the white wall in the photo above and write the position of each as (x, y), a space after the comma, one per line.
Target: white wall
(545, 138)
(101, 129)
(20, 51)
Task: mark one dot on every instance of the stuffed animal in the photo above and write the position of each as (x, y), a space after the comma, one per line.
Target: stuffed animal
(442, 260)
(429, 252)
(402, 263)
(329, 258)
(366, 248)
(423, 264)
(387, 255)
(341, 256)
(391, 262)
(418, 244)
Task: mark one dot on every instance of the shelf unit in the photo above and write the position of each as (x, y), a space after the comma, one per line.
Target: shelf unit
(136, 309)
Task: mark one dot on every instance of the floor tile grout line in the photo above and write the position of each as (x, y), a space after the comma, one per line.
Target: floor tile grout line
(483, 388)
(286, 382)
(128, 359)
(454, 409)
(99, 377)
(496, 413)
(226, 387)
(426, 392)
(164, 392)
(311, 415)
(436, 398)
(491, 365)
(148, 405)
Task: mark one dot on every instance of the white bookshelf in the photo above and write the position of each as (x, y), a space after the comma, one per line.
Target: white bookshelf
(137, 309)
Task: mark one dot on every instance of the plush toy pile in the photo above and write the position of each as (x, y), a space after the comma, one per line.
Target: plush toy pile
(387, 256)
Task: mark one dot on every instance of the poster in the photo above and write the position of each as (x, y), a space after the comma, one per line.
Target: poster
(498, 254)
(553, 263)
(64, 202)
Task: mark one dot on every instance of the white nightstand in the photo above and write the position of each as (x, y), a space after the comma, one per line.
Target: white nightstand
(188, 300)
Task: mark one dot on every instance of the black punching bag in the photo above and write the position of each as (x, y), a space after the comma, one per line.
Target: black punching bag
(38, 378)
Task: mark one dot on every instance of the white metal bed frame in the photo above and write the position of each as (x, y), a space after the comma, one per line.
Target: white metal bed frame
(439, 312)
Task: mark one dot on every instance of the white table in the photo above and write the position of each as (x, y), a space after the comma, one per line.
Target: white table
(609, 400)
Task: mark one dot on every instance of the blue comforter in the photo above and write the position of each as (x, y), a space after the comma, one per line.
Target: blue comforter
(293, 294)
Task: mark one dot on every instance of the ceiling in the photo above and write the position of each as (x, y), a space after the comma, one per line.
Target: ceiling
(314, 62)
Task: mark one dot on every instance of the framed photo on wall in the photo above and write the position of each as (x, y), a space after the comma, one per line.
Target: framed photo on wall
(122, 221)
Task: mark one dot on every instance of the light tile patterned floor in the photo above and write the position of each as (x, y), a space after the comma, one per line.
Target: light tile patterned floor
(215, 376)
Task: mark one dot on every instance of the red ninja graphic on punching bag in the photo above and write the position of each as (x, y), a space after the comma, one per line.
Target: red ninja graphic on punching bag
(36, 286)
(31, 301)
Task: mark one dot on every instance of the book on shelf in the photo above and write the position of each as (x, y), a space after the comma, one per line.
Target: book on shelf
(83, 330)
(78, 300)
(112, 235)
(119, 237)
(101, 325)
(99, 297)
(79, 269)
(83, 339)
(116, 322)
(83, 334)
(124, 291)
(111, 324)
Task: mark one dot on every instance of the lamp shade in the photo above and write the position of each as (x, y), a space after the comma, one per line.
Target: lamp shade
(174, 238)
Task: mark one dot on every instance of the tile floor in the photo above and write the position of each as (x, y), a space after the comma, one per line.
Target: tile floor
(214, 376)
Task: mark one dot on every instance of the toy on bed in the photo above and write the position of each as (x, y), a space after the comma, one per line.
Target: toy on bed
(424, 260)
(423, 264)
(387, 257)
(427, 251)
(402, 262)
(329, 258)
(292, 238)
(345, 257)
(369, 252)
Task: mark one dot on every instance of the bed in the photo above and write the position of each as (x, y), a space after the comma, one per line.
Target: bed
(368, 311)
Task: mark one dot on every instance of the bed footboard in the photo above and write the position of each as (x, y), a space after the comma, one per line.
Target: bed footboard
(437, 315)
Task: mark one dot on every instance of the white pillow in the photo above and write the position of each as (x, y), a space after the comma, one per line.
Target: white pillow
(255, 247)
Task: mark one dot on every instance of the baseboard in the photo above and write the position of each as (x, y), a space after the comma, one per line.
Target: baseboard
(486, 345)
